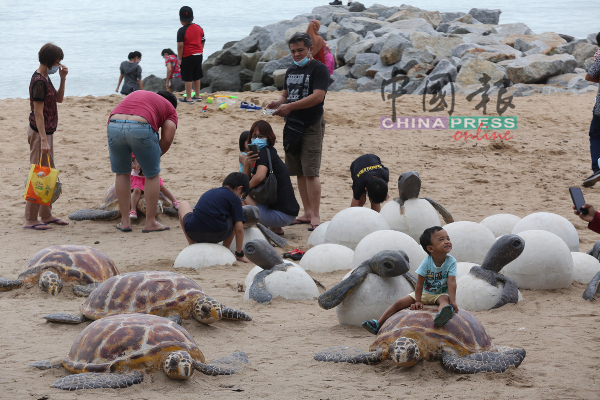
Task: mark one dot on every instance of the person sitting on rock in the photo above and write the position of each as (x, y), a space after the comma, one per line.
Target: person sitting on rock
(218, 216)
(369, 177)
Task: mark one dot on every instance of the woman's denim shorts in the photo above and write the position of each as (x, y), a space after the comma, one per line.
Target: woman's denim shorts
(140, 139)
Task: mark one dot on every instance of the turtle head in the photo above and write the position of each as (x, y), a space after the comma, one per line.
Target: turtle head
(251, 216)
(261, 253)
(50, 282)
(409, 185)
(207, 310)
(389, 263)
(179, 365)
(405, 352)
(506, 249)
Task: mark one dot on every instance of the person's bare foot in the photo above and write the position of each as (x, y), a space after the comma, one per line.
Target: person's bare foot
(36, 226)
(155, 227)
(243, 259)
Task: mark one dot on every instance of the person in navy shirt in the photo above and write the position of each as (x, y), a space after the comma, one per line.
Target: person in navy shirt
(218, 216)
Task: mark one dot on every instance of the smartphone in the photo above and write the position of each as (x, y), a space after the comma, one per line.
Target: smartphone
(578, 201)
(253, 148)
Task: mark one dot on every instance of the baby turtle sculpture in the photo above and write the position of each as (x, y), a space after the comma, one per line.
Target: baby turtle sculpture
(109, 209)
(506, 249)
(252, 216)
(167, 294)
(116, 351)
(409, 336)
(387, 263)
(409, 186)
(52, 266)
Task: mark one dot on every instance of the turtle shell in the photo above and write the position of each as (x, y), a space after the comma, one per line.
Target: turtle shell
(153, 292)
(462, 335)
(127, 342)
(82, 264)
(110, 201)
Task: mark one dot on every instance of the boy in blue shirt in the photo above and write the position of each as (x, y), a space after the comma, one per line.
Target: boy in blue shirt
(436, 282)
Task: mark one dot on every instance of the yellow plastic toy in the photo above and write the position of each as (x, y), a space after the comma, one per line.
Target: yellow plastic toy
(222, 106)
(209, 100)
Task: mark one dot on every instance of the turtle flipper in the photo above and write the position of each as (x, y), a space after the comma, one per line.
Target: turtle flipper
(261, 253)
(91, 380)
(592, 288)
(272, 236)
(227, 365)
(443, 212)
(10, 284)
(258, 290)
(85, 290)
(94, 215)
(510, 294)
(46, 364)
(65, 318)
(411, 279)
(336, 295)
(350, 355)
(595, 250)
(488, 361)
(171, 212)
(232, 313)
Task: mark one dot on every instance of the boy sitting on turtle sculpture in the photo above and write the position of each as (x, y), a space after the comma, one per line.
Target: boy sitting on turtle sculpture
(436, 282)
(369, 177)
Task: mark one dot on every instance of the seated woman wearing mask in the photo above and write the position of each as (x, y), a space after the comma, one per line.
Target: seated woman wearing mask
(256, 167)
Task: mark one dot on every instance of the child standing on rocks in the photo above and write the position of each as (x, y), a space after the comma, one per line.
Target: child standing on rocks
(436, 282)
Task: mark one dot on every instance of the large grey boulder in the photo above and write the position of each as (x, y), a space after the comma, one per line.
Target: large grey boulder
(233, 54)
(302, 28)
(433, 17)
(550, 38)
(442, 74)
(345, 42)
(486, 16)
(276, 51)
(439, 46)
(278, 78)
(249, 60)
(517, 28)
(383, 11)
(323, 31)
(393, 48)
(379, 42)
(272, 66)
(357, 48)
(225, 78)
(341, 82)
(332, 31)
(357, 7)
(407, 27)
(360, 25)
(538, 68)
(473, 70)
(378, 67)
(587, 64)
(568, 47)
(348, 25)
(412, 57)
(578, 83)
(592, 38)
(373, 85)
(210, 61)
(362, 63)
(152, 83)
(340, 16)
(276, 32)
(401, 15)
(583, 51)
(536, 47)
(255, 86)
(460, 49)
(461, 28)
(563, 79)
(451, 16)
(246, 75)
(258, 71)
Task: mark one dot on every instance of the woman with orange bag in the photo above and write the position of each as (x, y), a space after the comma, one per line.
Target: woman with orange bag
(42, 125)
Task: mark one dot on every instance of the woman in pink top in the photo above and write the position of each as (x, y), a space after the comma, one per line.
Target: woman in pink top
(133, 128)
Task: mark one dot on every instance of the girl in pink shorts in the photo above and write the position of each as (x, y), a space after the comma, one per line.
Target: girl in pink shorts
(138, 182)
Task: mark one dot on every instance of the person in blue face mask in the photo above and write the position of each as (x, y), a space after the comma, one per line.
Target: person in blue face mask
(301, 102)
(256, 167)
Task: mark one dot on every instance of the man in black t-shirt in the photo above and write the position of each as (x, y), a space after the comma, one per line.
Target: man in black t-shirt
(370, 177)
(302, 98)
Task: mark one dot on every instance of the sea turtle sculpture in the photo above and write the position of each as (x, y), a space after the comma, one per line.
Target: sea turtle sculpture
(594, 286)
(387, 263)
(409, 336)
(167, 294)
(109, 209)
(409, 186)
(497, 289)
(116, 351)
(252, 216)
(69, 263)
(298, 284)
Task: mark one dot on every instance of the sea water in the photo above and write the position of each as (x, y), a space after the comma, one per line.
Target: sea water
(96, 36)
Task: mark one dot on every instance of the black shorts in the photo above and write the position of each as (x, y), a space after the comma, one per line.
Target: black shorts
(191, 68)
(206, 237)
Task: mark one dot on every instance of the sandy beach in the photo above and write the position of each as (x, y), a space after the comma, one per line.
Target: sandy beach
(472, 179)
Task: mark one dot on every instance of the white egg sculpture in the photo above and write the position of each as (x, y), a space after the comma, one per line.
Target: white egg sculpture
(463, 268)
(249, 234)
(584, 267)
(500, 224)
(546, 262)
(470, 241)
(350, 226)
(317, 236)
(293, 284)
(327, 257)
(371, 298)
(550, 222)
(378, 241)
(203, 255)
(418, 215)
(475, 294)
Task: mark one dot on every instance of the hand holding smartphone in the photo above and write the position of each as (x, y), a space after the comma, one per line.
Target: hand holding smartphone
(578, 200)
(253, 148)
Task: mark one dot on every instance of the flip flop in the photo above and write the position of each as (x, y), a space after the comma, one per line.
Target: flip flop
(164, 228)
(33, 227)
(300, 222)
(312, 228)
(445, 315)
(59, 222)
(123, 229)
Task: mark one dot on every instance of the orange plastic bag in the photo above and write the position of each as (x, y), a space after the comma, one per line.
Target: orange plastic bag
(41, 183)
